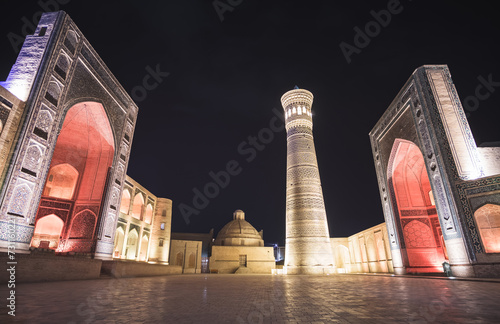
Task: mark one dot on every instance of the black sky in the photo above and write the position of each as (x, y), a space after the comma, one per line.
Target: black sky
(227, 76)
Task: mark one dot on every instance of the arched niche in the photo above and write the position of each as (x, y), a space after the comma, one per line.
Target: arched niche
(488, 224)
(47, 232)
(119, 241)
(137, 206)
(61, 181)
(413, 205)
(79, 167)
(125, 203)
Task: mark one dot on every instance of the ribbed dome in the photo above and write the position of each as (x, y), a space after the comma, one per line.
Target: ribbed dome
(239, 232)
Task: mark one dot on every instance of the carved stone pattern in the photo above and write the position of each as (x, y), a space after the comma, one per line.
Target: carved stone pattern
(32, 158)
(294, 203)
(80, 208)
(48, 207)
(418, 235)
(110, 225)
(300, 122)
(114, 197)
(295, 175)
(424, 220)
(299, 130)
(83, 225)
(311, 187)
(469, 138)
(120, 169)
(418, 212)
(437, 124)
(76, 245)
(104, 248)
(389, 221)
(440, 194)
(303, 231)
(54, 89)
(479, 190)
(124, 149)
(55, 204)
(299, 145)
(45, 120)
(19, 200)
(23, 233)
(304, 159)
(306, 214)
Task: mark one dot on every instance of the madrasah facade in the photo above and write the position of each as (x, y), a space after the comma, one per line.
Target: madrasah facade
(66, 131)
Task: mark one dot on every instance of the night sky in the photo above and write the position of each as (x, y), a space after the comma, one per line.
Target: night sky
(226, 77)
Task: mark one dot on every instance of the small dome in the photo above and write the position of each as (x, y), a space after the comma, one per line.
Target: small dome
(239, 232)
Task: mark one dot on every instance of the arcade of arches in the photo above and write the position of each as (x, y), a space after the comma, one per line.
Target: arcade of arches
(142, 226)
(71, 200)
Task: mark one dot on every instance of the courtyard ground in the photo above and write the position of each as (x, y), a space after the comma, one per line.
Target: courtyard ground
(217, 298)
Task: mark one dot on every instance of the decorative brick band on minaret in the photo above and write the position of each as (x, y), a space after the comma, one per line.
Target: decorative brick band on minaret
(308, 249)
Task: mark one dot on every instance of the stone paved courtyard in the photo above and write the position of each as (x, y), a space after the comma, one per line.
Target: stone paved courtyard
(258, 299)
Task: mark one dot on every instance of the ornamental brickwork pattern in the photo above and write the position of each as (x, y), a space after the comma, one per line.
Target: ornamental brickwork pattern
(308, 249)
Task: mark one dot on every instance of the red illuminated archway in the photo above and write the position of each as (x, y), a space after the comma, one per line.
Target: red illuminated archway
(413, 203)
(76, 181)
(47, 232)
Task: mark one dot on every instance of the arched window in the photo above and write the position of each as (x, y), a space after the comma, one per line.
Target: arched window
(137, 207)
(119, 237)
(132, 242)
(125, 204)
(61, 182)
(488, 223)
(179, 258)
(342, 258)
(149, 214)
(371, 250)
(191, 260)
(144, 248)
(47, 232)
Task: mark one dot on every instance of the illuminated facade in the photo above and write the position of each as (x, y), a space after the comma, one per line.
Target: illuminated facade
(365, 252)
(440, 192)
(239, 248)
(308, 249)
(143, 228)
(66, 131)
(186, 254)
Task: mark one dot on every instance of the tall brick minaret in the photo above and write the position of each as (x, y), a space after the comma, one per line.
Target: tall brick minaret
(308, 249)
